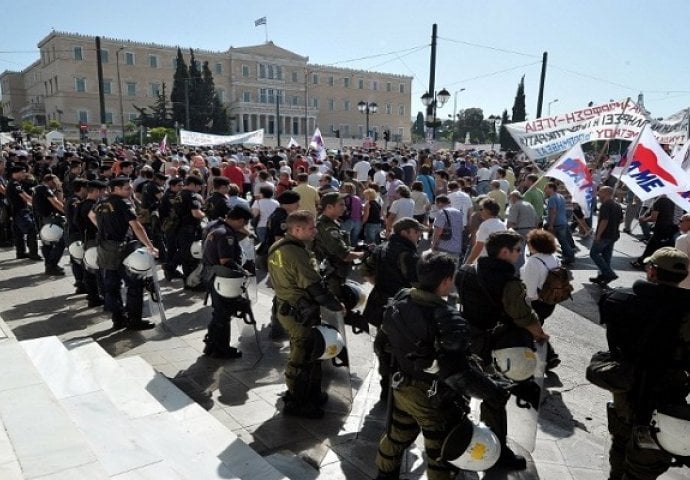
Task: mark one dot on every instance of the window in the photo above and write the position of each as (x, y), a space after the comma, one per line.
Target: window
(267, 95)
(132, 117)
(360, 84)
(344, 130)
(104, 56)
(129, 58)
(331, 81)
(331, 104)
(78, 53)
(153, 61)
(107, 87)
(400, 133)
(83, 117)
(389, 87)
(154, 89)
(295, 101)
(360, 129)
(269, 71)
(315, 102)
(295, 126)
(109, 118)
(219, 68)
(389, 109)
(79, 84)
(262, 70)
(245, 71)
(374, 84)
(221, 95)
(401, 88)
(279, 72)
(131, 88)
(346, 82)
(346, 105)
(315, 79)
(401, 110)
(246, 97)
(294, 76)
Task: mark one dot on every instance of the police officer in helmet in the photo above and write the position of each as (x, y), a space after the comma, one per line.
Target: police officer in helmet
(20, 202)
(222, 256)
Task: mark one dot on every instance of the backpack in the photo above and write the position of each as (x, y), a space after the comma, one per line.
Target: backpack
(557, 286)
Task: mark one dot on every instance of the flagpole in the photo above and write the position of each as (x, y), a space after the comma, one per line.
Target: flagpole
(266, 29)
(600, 156)
(630, 156)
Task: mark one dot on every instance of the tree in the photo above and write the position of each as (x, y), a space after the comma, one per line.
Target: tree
(54, 125)
(197, 110)
(519, 112)
(418, 126)
(177, 96)
(507, 142)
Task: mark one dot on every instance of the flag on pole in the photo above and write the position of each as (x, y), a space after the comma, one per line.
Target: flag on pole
(317, 144)
(651, 172)
(260, 21)
(164, 144)
(572, 170)
(293, 143)
(682, 158)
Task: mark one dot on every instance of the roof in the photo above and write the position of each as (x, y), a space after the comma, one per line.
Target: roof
(268, 50)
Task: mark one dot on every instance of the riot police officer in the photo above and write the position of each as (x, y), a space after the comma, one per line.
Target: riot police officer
(217, 202)
(117, 226)
(222, 257)
(299, 292)
(390, 267)
(188, 208)
(88, 234)
(23, 226)
(73, 233)
(434, 370)
(648, 330)
(331, 244)
(169, 224)
(151, 195)
(48, 208)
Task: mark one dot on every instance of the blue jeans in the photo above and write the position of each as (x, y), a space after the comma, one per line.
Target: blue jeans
(371, 233)
(601, 253)
(564, 237)
(352, 228)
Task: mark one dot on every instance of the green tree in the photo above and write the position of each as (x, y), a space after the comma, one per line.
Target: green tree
(177, 96)
(156, 134)
(418, 126)
(507, 142)
(54, 125)
(198, 109)
(519, 111)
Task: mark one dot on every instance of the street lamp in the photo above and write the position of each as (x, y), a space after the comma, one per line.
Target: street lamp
(432, 102)
(119, 90)
(455, 113)
(549, 106)
(494, 119)
(367, 108)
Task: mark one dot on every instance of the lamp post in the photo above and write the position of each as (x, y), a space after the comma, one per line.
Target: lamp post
(367, 108)
(548, 110)
(494, 119)
(432, 102)
(455, 114)
(119, 90)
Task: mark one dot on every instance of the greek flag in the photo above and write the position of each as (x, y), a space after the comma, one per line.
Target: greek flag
(260, 21)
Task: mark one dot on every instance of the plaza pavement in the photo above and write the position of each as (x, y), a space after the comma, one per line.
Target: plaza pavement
(243, 394)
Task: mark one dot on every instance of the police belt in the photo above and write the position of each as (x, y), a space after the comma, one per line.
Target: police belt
(415, 380)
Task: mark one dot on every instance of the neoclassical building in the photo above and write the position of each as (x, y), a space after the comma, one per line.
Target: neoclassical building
(258, 84)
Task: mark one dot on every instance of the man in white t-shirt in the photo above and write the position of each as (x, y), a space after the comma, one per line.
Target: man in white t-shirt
(362, 168)
(483, 178)
(683, 243)
(490, 223)
(460, 200)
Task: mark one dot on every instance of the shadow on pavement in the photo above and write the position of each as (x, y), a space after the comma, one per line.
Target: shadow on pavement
(555, 417)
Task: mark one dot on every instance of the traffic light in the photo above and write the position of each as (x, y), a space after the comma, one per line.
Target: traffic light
(376, 135)
(387, 135)
(337, 133)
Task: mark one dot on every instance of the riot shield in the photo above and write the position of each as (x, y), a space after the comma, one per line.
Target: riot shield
(246, 332)
(523, 407)
(336, 372)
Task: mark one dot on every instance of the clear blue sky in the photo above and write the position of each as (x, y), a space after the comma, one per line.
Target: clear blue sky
(598, 49)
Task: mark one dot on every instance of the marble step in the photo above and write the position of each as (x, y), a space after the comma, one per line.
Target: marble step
(40, 439)
(292, 466)
(126, 447)
(222, 443)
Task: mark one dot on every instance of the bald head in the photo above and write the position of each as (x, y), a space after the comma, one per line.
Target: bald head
(605, 193)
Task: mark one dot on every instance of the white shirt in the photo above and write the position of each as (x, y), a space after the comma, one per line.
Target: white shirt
(380, 178)
(266, 207)
(362, 168)
(486, 228)
(402, 207)
(683, 244)
(314, 178)
(483, 174)
(461, 201)
(533, 273)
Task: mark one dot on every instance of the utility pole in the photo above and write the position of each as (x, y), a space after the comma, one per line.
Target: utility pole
(99, 68)
(186, 103)
(540, 98)
(278, 117)
(306, 110)
(432, 79)
(119, 91)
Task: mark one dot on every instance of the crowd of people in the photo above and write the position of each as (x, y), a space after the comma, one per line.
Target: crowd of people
(492, 226)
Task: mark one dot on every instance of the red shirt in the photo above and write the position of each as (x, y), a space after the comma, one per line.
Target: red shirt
(235, 175)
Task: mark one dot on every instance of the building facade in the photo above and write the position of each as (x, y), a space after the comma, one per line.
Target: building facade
(263, 86)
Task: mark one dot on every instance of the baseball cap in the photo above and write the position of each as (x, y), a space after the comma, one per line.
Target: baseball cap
(669, 259)
(406, 223)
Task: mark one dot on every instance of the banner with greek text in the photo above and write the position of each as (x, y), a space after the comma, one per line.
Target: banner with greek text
(197, 139)
(556, 134)
(672, 130)
(571, 169)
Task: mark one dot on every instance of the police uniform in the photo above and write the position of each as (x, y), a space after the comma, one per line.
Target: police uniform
(45, 213)
(88, 234)
(435, 374)
(298, 287)
(331, 244)
(648, 329)
(215, 204)
(151, 192)
(23, 226)
(189, 229)
(221, 242)
(71, 218)
(165, 210)
(113, 216)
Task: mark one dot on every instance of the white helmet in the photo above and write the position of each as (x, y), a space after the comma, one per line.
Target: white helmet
(516, 363)
(354, 295)
(471, 447)
(76, 250)
(51, 233)
(230, 287)
(672, 429)
(203, 223)
(91, 258)
(329, 342)
(196, 249)
(139, 262)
